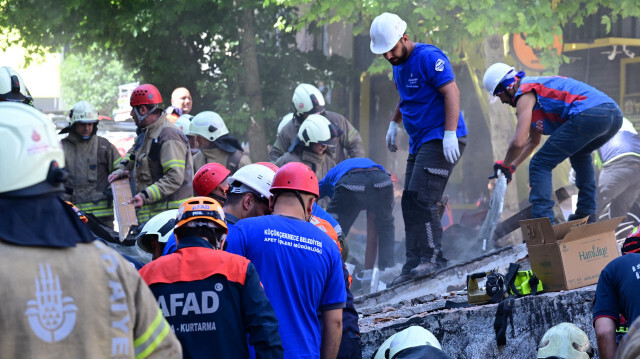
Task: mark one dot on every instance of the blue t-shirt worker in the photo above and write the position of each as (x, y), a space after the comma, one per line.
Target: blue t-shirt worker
(299, 265)
(429, 108)
(617, 294)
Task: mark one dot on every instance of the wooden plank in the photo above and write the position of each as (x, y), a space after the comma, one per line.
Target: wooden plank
(125, 213)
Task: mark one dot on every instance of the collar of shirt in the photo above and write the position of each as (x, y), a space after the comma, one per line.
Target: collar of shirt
(193, 242)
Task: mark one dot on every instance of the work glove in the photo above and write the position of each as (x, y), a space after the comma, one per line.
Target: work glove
(391, 136)
(506, 171)
(450, 146)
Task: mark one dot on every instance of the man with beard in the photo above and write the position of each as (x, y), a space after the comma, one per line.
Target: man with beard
(429, 107)
(160, 156)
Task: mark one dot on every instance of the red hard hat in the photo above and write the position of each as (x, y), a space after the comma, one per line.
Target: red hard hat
(269, 165)
(146, 94)
(296, 176)
(208, 178)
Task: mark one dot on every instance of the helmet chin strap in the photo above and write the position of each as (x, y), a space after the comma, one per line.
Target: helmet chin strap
(140, 117)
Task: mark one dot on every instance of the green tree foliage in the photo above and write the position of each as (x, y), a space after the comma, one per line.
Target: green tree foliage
(93, 77)
(449, 23)
(191, 43)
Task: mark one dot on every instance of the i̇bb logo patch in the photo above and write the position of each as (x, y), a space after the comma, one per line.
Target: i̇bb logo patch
(440, 65)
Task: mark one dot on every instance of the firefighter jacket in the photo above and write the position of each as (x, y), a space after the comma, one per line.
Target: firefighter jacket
(89, 163)
(212, 300)
(83, 301)
(162, 165)
(320, 164)
(347, 145)
(232, 161)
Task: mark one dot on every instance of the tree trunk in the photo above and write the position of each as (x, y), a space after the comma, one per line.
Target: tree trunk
(251, 84)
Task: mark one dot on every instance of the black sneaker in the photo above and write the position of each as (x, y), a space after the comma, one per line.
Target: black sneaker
(402, 278)
(423, 269)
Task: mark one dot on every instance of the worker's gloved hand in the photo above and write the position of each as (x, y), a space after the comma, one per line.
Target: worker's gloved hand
(392, 133)
(450, 146)
(117, 174)
(506, 171)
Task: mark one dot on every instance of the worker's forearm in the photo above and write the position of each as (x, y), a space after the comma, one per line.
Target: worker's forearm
(397, 115)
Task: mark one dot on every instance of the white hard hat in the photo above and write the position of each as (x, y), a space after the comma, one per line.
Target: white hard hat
(380, 354)
(161, 226)
(209, 125)
(254, 176)
(412, 337)
(12, 87)
(315, 129)
(385, 32)
(494, 74)
(565, 340)
(285, 120)
(30, 150)
(184, 123)
(83, 112)
(307, 99)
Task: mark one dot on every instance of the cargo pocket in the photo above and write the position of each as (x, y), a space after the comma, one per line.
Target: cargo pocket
(433, 187)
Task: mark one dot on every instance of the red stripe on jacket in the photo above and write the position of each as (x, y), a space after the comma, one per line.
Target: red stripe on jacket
(195, 263)
(552, 93)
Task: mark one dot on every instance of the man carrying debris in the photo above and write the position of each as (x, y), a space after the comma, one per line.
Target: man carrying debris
(579, 119)
(160, 156)
(429, 108)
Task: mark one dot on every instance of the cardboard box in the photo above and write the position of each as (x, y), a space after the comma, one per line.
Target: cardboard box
(572, 254)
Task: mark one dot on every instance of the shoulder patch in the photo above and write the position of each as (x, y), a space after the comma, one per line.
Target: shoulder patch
(440, 65)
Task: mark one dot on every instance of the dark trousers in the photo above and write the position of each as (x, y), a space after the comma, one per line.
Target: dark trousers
(370, 190)
(425, 179)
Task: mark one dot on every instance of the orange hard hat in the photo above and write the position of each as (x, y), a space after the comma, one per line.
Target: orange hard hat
(200, 208)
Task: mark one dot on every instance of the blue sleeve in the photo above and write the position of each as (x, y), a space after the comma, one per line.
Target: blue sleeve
(606, 301)
(437, 68)
(235, 241)
(327, 184)
(260, 318)
(170, 246)
(335, 292)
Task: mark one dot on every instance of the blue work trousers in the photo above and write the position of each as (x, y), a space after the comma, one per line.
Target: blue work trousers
(576, 139)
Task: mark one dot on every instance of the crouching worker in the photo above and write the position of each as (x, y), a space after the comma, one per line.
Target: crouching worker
(212, 298)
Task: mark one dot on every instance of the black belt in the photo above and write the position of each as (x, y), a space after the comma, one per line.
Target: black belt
(370, 169)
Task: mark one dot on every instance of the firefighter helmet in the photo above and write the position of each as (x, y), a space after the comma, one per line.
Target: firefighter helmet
(31, 155)
(565, 340)
(208, 125)
(12, 87)
(307, 99)
(159, 227)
